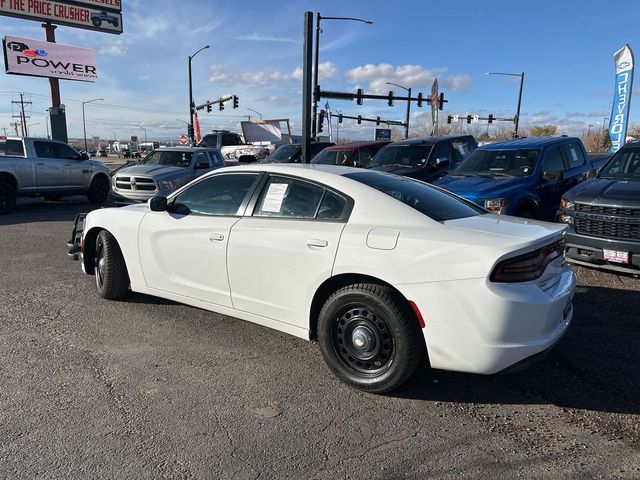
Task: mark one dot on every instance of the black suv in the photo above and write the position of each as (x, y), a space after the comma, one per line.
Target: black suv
(603, 214)
(425, 159)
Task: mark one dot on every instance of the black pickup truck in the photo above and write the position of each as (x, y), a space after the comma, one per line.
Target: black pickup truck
(603, 214)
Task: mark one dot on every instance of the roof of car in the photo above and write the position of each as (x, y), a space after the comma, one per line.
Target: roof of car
(184, 148)
(429, 140)
(354, 145)
(532, 142)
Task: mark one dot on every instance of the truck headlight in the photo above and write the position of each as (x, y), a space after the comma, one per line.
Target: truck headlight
(495, 205)
(168, 185)
(566, 204)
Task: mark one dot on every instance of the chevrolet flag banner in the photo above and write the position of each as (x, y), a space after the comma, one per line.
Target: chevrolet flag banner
(621, 98)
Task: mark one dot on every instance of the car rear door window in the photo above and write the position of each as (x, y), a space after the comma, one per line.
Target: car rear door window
(573, 155)
(289, 198)
(219, 195)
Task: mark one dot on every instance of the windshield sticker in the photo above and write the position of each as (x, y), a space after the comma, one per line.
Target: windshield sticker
(272, 202)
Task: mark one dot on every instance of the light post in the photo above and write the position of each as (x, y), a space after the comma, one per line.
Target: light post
(46, 122)
(589, 130)
(408, 89)
(254, 111)
(314, 112)
(29, 125)
(191, 104)
(84, 123)
(145, 133)
(521, 75)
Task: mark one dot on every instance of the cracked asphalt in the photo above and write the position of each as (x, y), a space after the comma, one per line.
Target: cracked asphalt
(147, 388)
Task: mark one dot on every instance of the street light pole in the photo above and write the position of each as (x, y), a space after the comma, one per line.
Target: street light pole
(191, 104)
(84, 123)
(314, 109)
(254, 111)
(521, 75)
(406, 126)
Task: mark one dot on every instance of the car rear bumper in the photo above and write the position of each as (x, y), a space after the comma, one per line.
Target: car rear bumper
(588, 251)
(477, 326)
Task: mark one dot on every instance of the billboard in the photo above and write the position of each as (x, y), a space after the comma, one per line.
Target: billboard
(115, 5)
(623, 59)
(262, 131)
(61, 13)
(35, 58)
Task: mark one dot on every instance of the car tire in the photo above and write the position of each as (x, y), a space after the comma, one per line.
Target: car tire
(7, 197)
(115, 23)
(524, 213)
(96, 23)
(369, 337)
(110, 270)
(98, 190)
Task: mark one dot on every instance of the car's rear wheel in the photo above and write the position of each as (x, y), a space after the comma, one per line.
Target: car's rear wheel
(98, 190)
(96, 23)
(7, 197)
(369, 338)
(110, 270)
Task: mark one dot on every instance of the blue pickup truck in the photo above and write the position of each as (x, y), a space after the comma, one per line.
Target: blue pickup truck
(523, 177)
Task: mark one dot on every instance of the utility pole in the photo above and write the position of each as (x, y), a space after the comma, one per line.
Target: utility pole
(22, 116)
(15, 125)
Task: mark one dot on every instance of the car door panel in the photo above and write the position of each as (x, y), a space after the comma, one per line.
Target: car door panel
(48, 167)
(76, 172)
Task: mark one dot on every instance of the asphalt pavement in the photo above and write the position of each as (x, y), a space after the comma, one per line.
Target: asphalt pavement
(147, 388)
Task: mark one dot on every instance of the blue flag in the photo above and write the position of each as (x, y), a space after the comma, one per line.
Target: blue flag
(621, 98)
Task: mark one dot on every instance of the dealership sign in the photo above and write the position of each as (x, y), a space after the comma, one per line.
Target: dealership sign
(35, 58)
(621, 98)
(103, 17)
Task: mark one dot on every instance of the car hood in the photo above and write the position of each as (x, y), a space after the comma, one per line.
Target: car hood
(480, 187)
(403, 170)
(155, 171)
(598, 191)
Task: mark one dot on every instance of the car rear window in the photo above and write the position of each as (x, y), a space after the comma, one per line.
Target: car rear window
(432, 202)
(11, 148)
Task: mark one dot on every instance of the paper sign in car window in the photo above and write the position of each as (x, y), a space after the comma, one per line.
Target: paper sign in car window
(574, 155)
(273, 199)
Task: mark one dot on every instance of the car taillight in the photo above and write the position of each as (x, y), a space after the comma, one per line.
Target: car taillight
(529, 266)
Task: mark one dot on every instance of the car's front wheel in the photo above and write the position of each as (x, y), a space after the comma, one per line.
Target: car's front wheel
(98, 190)
(7, 197)
(369, 338)
(110, 270)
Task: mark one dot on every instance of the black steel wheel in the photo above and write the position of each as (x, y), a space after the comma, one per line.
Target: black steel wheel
(7, 197)
(98, 190)
(369, 338)
(110, 270)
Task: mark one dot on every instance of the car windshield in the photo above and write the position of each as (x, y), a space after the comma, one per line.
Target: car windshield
(168, 158)
(331, 157)
(624, 164)
(415, 156)
(283, 154)
(498, 163)
(431, 201)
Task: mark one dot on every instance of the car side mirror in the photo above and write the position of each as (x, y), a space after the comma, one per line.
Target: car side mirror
(442, 161)
(201, 166)
(83, 156)
(158, 204)
(552, 176)
(247, 159)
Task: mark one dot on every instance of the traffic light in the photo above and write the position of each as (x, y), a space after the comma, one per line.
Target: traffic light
(359, 119)
(320, 120)
(419, 102)
(449, 119)
(236, 101)
(390, 101)
(441, 101)
(359, 96)
(208, 107)
(377, 120)
(221, 105)
(339, 118)
(490, 118)
(468, 118)
(190, 131)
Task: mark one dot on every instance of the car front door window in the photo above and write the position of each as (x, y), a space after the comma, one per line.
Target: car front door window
(219, 195)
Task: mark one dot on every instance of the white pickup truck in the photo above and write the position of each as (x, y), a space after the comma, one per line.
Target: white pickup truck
(48, 168)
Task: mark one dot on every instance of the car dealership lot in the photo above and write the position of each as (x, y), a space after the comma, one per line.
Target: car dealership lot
(146, 388)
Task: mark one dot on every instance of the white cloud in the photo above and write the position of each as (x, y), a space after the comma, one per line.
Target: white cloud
(219, 74)
(325, 70)
(258, 37)
(145, 77)
(415, 76)
(116, 48)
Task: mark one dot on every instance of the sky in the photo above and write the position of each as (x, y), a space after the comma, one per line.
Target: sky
(564, 47)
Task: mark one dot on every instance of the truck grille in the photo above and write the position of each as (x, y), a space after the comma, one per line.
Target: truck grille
(140, 184)
(600, 210)
(608, 229)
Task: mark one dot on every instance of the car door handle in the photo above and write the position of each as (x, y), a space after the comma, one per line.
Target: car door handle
(67, 164)
(40, 164)
(216, 237)
(317, 242)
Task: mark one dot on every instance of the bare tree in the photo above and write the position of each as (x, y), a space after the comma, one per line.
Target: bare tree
(543, 131)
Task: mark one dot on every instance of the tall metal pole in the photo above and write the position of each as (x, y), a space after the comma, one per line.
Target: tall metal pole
(406, 128)
(57, 115)
(314, 113)
(306, 84)
(84, 129)
(190, 129)
(519, 104)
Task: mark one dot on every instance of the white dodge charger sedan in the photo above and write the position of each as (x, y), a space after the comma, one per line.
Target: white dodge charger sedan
(384, 272)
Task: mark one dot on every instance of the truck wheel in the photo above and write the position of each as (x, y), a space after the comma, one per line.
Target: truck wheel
(115, 23)
(98, 190)
(96, 23)
(112, 279)
(7, 197)
(369, 338)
